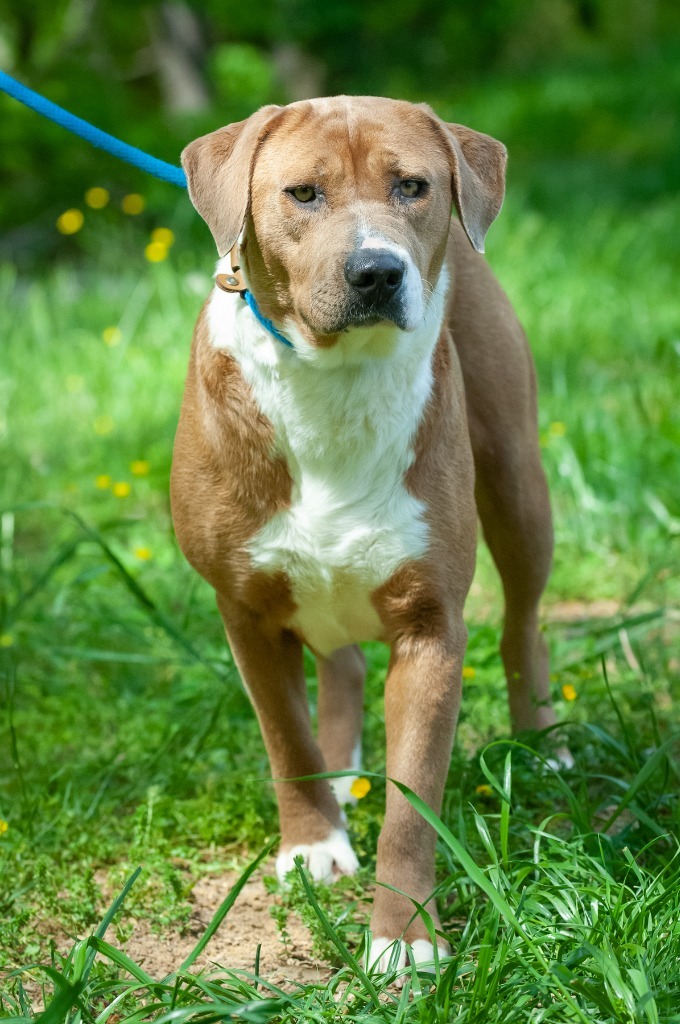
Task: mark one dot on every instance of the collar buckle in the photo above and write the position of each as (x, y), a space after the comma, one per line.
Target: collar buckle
(235, 284)
(232, 282)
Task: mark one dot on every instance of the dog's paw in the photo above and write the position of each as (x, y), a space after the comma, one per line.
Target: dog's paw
(342, 790)
(342, 786)
(390, 956)
(325, 860)
(563, 760)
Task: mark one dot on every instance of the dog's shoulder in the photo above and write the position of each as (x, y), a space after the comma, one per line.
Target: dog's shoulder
(227, 479)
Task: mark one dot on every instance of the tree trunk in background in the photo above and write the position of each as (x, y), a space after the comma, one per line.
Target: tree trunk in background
(301, 76)
(179, 51)
(644, 25)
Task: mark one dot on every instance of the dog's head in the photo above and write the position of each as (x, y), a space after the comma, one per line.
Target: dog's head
(343, 208)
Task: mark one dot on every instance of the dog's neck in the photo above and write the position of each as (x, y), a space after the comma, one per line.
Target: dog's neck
(349, 427)
(233, 281)
(242, 330)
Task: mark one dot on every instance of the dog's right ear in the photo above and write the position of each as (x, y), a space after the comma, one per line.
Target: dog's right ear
(219, 168)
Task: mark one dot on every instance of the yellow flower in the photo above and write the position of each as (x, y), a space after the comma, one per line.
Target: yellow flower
(144, 554)
(468, 672)
(140, 467)
(156, 252)
(103, 425)
(121, 488)
(163, 235)
(484, 790)
(74, 383)
(70, 221)
(133, 204)
(112, 336)
(557, 429)
(3, 827)
(359, 788)
(6, 640)
(569, 692)
(97, 198)
(103, 481)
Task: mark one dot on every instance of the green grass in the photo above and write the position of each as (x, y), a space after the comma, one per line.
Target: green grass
(126, 738)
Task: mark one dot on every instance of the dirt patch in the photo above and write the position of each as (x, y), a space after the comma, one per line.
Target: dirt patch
(576, 611)
(248, 923)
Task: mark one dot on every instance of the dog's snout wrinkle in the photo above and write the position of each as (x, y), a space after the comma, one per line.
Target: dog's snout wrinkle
(375, 276)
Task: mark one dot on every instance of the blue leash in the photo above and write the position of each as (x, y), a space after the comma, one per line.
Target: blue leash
(130, 154)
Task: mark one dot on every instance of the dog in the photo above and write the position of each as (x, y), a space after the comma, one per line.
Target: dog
(359, 392)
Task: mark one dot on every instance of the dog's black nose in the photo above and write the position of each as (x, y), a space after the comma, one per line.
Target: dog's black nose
(375, 276)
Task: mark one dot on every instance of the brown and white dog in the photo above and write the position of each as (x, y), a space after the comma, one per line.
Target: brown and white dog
(328, 488)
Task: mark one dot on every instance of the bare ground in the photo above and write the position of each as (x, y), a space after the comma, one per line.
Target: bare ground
(248, 924)
(235, 943)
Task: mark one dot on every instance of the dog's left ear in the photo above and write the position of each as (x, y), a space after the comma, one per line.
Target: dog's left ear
(219, 168)
(478, 171)
(478, 177)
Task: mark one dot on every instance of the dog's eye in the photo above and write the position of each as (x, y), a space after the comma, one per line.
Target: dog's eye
(304, 193)
(409, 188)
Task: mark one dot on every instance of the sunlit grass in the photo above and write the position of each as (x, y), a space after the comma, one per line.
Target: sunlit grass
(568, 921)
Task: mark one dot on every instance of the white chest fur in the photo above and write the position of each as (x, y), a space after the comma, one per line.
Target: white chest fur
(345, 422)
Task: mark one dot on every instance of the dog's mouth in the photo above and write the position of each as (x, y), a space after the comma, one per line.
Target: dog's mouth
(358, 314)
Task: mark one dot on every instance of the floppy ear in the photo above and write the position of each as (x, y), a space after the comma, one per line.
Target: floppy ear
(478, 172)
(219, 167)
(478, 177)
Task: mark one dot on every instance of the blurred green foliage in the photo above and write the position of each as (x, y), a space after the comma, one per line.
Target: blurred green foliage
(160, 73)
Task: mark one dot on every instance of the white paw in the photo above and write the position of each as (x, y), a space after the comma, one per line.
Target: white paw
(563, 759)
(388, 956)
(342, 789)
(325, 860)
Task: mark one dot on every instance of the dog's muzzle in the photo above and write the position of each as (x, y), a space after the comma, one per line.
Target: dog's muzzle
(375, 285)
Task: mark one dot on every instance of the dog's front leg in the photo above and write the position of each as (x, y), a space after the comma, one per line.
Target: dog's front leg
(270, 662)
(422, 699)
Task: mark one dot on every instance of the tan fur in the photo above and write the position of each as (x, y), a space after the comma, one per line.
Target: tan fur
(228, 480)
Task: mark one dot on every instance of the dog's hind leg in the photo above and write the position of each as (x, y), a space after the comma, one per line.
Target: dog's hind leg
(510, 490)
(341, 706)
(514, 507)
(270, 663)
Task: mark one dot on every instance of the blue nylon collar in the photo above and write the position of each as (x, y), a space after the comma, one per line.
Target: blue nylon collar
(267, 324)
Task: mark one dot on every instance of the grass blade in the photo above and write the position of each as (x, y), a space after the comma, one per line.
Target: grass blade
(80, 963)
(117, 956)
(342, 949)
(226, 906)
